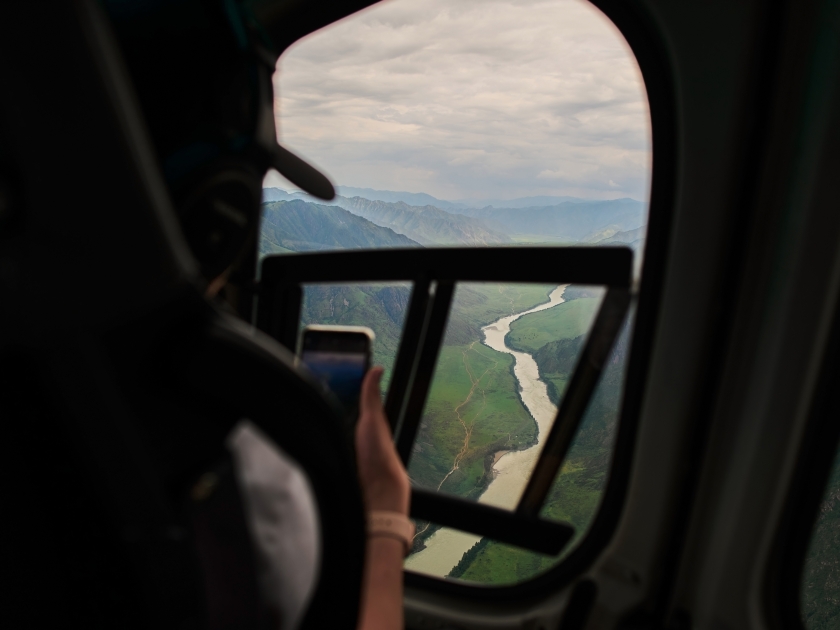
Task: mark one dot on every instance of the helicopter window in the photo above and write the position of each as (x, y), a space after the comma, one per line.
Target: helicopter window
(472, 125)
(507, 356)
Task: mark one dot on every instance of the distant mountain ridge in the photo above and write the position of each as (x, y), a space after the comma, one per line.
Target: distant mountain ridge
(423, 199)
(392, 196)
(518, 202)
(299, 226)
(564, 220)
(427, 225)
(569, 221)
(629, 236)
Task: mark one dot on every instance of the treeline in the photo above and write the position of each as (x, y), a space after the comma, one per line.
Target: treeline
(467, 559)
(558, 357)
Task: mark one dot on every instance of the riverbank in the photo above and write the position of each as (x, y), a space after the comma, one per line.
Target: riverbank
(510, 469)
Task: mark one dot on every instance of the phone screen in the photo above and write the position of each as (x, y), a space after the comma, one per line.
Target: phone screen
(339, 359)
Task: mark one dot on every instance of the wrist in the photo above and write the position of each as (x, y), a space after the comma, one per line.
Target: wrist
(391, 525)
(387, 498)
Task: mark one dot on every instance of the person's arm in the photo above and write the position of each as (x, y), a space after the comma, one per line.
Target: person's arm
(385, 487)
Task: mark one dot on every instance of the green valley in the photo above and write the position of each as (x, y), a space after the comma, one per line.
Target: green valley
(473, 411)
(473, 408)
(576, 493)
(555, 337)
(566, 321)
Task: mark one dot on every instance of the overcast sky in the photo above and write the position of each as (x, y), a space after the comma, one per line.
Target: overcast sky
(469, 99)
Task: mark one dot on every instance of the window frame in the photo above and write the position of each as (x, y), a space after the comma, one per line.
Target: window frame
(646, 45)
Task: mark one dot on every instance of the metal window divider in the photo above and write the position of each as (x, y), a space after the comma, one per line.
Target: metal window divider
(430, 343)
(410, 342)
(575, 400)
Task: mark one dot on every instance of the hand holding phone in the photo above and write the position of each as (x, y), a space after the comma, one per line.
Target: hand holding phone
(339, 356)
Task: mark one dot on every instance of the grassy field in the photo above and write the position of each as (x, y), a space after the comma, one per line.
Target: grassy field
(574, 498)
(576, 493)
(473, 407)
(382, 307)
(478, 304)
(473, 411)
(565, 321)
(485, 398)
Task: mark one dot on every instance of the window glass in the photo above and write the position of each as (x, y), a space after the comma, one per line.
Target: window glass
(493, 399)
(467, 123)
(506, 355)
(379, 306)
(820, 595)
(576, 494)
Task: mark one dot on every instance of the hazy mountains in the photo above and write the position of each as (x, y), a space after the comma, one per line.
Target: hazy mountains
(422, 199)
(630, 237)
(569, 221)
(561, 220)
(294, 222)
(300, 226)
(427, 225)
(391, 196)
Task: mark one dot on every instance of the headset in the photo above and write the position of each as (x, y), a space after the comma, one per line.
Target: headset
(202, 72)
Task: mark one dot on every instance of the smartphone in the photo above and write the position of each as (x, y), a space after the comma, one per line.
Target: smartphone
(339, 356)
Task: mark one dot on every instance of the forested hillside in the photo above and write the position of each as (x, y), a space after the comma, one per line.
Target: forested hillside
(299, 226)
(576, 493)
(533, 220)
(427, 225)
(474, 412)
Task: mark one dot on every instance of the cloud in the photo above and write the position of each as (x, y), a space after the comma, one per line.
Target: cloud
(470, 99)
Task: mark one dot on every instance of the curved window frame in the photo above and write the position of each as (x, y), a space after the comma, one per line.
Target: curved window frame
(641, 37)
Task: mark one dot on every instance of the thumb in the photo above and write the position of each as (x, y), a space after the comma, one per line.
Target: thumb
(371, 398)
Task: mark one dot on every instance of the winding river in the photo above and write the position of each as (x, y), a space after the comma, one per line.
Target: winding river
(446, 546)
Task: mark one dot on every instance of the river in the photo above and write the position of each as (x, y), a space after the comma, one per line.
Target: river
(445, 547)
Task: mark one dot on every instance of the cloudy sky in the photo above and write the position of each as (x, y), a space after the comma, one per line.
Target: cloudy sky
(469, 99)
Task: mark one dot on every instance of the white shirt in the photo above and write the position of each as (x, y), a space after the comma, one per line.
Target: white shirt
(283, 521)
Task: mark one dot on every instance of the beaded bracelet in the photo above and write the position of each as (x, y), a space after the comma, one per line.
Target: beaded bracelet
(391, 525)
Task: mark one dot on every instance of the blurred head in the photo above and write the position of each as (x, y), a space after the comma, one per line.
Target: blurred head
(202, 72)
(206, 96)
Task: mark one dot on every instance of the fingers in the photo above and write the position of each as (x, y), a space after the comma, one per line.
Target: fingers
(371, 399)
(381, 473)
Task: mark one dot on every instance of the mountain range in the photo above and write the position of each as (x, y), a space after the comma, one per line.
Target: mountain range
(292, 222)
(299, 226)
(564, 222)
(392, 196)
(569, 221)
(423, 199)
(427, 225)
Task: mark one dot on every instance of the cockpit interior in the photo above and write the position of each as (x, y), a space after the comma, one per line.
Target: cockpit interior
(592, 246)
